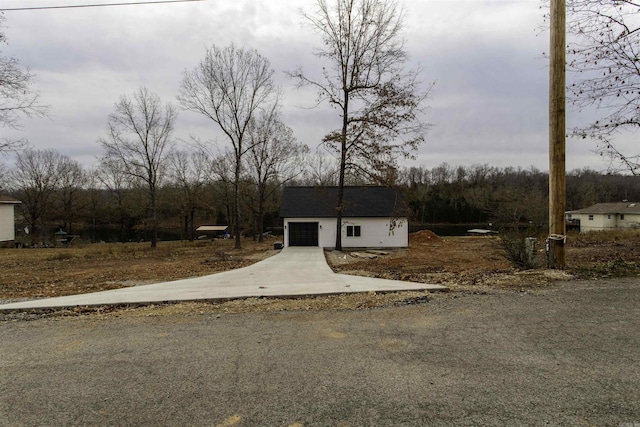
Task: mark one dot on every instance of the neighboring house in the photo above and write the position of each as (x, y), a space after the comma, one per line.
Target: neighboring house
(371, 217)
(7, 219)
(606, 216)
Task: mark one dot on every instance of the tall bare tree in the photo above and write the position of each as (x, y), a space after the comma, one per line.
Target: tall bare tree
(274, 158)
(604, 52)
(230, 86)
(35, 178)
(140, 139)
(379, 101)
(17, 97)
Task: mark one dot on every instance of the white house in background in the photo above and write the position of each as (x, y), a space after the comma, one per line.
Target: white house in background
(7, 219)
(606, 216)
(371, 217)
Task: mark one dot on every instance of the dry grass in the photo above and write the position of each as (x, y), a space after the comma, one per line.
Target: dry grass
(37, 273)
(613, 253)
(606, 237)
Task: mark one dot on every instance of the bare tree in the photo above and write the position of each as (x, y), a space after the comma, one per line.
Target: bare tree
(140, 139)
(35, 178)
(189, 172)
(17, 97)
(274, 158)
(604, 47)
(93, 202)
(321, 169)
(72, 179)
(230, 86)
(222, 174)
(112, 175)
(378, 100)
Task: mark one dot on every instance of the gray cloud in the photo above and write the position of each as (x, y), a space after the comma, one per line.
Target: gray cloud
(489, 104)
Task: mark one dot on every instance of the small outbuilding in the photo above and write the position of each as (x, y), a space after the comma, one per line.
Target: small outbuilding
(211, 231)
(606, 216)
(373, 217)
(7, 218)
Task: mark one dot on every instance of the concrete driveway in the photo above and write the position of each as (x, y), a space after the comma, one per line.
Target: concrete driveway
(294, 271)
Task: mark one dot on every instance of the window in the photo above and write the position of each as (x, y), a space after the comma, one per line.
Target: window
(353, 231)
(590, 217)
(622, 217)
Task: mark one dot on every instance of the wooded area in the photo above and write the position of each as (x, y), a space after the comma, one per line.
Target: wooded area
(104, 205)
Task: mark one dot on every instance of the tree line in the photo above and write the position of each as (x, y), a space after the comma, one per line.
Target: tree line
(194, 188)
(505, 197)
(106, 202)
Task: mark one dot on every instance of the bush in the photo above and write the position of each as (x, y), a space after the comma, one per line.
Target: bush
(513, 244)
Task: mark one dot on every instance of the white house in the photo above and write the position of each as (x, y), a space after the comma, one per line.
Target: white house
(371, 218)
(7, 219)
(606, 216)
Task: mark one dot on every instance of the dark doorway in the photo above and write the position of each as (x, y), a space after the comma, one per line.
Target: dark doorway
(303, 234)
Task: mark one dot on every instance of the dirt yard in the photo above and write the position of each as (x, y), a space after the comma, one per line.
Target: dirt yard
(49, 272)
(478, 263)
(467, 264)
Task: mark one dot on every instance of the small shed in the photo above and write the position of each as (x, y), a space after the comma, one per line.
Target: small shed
(211, 231)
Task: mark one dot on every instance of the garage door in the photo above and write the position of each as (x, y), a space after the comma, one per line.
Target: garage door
(303, 234)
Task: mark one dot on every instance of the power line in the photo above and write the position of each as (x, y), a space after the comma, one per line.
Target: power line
(73, 6)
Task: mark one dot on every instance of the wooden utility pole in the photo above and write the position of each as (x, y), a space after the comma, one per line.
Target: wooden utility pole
(557, 135)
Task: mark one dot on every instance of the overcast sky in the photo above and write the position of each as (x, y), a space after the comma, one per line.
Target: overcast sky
(489, 104)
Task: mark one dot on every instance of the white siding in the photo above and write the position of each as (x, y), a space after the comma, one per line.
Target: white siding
(374, 232)
(629, 221)
(601, 222)
(597, 222)
(7, 222)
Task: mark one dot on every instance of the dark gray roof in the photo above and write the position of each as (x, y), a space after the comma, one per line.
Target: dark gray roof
(611, 208)
(321, 202)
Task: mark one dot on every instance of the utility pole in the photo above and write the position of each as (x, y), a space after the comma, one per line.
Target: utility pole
(557, 136)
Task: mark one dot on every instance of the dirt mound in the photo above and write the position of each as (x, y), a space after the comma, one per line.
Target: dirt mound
(424, 236)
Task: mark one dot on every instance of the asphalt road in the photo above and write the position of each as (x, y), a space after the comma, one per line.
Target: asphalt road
(567, 355)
